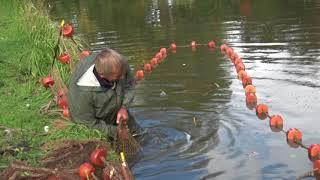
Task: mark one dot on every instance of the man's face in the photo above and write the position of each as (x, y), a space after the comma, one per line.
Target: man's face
(113, 77)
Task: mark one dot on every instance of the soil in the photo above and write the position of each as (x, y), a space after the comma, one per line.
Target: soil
(62, 163)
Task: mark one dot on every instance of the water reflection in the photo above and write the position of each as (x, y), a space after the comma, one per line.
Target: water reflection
(279, 43)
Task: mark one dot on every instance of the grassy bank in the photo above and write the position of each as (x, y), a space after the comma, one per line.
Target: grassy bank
(27, 41)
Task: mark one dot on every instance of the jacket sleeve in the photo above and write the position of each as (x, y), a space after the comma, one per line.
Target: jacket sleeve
(128, 89)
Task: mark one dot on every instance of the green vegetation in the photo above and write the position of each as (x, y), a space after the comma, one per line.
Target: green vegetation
(27, 41)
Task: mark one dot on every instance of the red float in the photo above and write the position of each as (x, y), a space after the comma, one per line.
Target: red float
(86, 170)
(242, 74)
(262, 111)
(314, 152)
(229, 51)
(163, 51)
(159, 56)
(223, 48)
(250, 89)
(98, 156)
(84, 54)
(234, 57)
(316, 168)
(67, 30)
(240, 67)
(66, 113)
(154, 62)
(61, 92)
(62, 102)
(173, 46)
(276, 123)
(251, 101)
(147, 67)
(238, 61)
(247, 80)
(139, 75)
(193, 44)
(211, 44)
(294, 137)
(47, 81)
(64, 58)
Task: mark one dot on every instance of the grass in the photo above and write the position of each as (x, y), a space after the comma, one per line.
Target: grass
(27, 41)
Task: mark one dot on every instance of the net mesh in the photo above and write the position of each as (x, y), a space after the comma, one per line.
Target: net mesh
(124, 141)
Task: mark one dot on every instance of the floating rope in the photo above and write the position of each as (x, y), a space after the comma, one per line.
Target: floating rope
(293, 135)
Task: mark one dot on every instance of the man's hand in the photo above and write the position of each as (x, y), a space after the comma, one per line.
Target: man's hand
(122, 115)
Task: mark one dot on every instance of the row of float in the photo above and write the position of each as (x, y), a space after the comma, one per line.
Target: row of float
(158, 58)
(66, 32)
(293, 135)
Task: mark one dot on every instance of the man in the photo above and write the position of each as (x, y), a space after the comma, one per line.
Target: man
(100, 92)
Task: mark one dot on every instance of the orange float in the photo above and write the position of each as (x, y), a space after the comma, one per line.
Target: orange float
(251, 101)
(147, 67)
(173, 46)
(234, 57)
(247, 80)
(47, 81)
(294, 137)
(84, 54)
(67, 30)
(250, 89)
(159, 56)
(64, 58)
(163, 51)
(242, 74)
(154, 62)
(238, 61)
(66, 112)
(193, 44)
(97, 157)
(316, 167)
(276, 123)
(314, 152)
(223, 48)
(86, 171)
(62, 102)
(240, 67)
(139, 75)
(211, 44)
(262, 111)
(229, 51)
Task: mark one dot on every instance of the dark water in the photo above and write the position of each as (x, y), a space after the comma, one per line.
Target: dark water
(279, 43)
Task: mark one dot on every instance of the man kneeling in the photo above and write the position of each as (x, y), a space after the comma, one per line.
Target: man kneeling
(100, 92)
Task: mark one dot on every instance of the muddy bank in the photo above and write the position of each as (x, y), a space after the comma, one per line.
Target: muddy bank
(63, 162)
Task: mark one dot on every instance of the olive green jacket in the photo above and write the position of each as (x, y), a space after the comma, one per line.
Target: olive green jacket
(97, 107)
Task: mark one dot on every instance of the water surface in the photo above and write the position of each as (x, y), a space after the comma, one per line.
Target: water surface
(279, 41)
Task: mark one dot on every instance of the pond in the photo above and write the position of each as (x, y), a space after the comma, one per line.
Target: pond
(192, 104)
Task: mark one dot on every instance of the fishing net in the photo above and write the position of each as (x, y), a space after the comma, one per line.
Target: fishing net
(63, 162)
(124, 141)
(60, 100)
